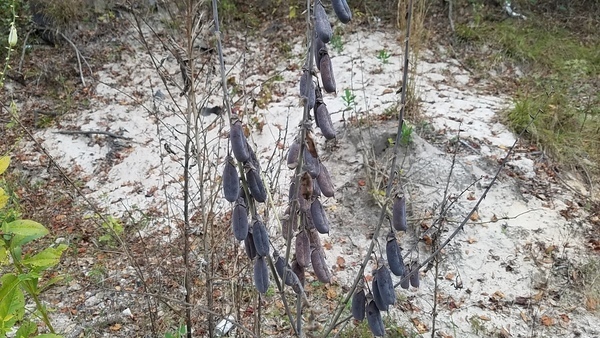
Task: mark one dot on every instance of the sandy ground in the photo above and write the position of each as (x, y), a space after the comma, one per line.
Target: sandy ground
(506, 274)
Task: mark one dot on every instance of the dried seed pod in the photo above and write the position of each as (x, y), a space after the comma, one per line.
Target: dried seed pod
(314, 238)
(319, 218)
(318, 46)
(322, 25)
(239, 220)
(261, 238)
(323, 120)
(394, 255)
(359, 303)
(386, 285)
(316, 187)
(324, 180)
(307, 88)
(293, 156)
(399, 213)
(299, 272)
(327, 77)
(342, 10)
(249, 245)
(239, 145)
(231, 181)
(261, 275)
(281, 267)
(405, 281)
(306, 186)
(311, 146)
(302, 249)
(414, 276)
(374, 319)
(311, 165)
(319, 265)
(256, 185)
(381, 304)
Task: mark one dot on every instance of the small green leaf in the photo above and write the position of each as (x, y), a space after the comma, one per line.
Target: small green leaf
(12, 300)
(26, 330)
(24, 231)
(4, 163)
(3, 198)
(47, 258)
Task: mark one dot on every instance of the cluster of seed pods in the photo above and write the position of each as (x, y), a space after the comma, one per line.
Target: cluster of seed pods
(255, 235)
(382, 294)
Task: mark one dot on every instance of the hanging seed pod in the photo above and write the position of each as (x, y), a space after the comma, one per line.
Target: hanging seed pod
(249, 245)
(319, 265)
(293, 156)
(399, 213)
(322, 25)
(299, 272)
(374, 320)
(314, 238)
(359, 303)
(405, 281)
(414, 276)
(311, 146)
(239, 145)
(342, 10)
(239, 220)
(318, 46)
(256, 185)
(381, 304)
(327, 77)
(307, 88)
(307, 222)
(306, 186)
(280, 267)
(386, 285)
(311, 165)
(394, 255)
(261, 238)
(324, 180)
(261, 275)
(231, 181)
(253, 160)
(323, 120)
(316, 187)
(303, 249)
(319, 218)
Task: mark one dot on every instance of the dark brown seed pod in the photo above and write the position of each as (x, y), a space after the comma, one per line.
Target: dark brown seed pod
(299, 272)
(399, 213)
(386, 285)
(318, 46)
(306, 186)
(311, 165)
(302, 249)
(231, 181)
(239, 145)
(374, 319)
(314, 238)
(319, 218)
(256, 185)
(239, 220)
(394, 255)
(327, 77)
(249, 245)
(288, 221)
(414, 276)
(311, 146)
(322, 25)
(261, 275)
(261, 238)
(324, 180)
(359, 303)
(323, 120)
(405, 281)
(319, 265)
(281, 267)
(293, 156)
(381, 304)
(342, 10)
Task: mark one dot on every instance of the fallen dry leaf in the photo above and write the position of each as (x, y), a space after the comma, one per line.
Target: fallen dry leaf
(565, 318)
(331, 294)
(419, 325)
(116, 327)
(524, 317)
(341, 262)
(475, 216)
(471, 240)
(494, 218)
(547, 321)
(449, 276)
(499, 294)
(484, 317)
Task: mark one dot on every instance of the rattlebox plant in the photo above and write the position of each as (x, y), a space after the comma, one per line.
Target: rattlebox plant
(23, 271)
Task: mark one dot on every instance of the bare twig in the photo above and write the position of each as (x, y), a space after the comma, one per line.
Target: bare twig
(92, 132)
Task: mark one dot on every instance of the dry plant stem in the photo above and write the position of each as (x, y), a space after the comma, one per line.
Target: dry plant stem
(341, 306)
(485, 192)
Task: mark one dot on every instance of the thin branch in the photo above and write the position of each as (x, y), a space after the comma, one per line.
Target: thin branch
(92, 132)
